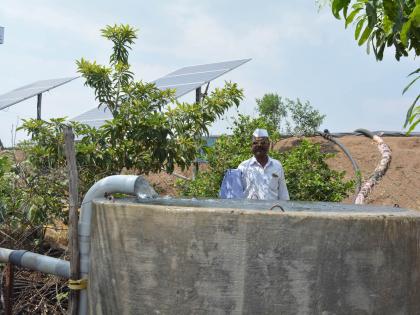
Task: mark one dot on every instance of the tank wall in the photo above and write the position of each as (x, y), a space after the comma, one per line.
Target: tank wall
(151, 259)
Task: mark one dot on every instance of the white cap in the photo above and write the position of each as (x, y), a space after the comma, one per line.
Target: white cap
(260, 133)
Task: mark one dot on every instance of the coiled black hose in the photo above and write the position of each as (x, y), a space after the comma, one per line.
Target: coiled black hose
(357, 174)
(365, 132)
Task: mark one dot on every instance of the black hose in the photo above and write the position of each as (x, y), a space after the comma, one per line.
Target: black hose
(357, 174)
(277, 206)
(365, 132)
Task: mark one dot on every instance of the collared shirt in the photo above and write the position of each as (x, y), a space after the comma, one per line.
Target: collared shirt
(266, 182)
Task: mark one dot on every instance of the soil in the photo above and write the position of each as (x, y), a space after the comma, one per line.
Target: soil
(399, 187)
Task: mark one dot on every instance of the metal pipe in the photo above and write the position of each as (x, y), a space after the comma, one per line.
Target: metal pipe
(37, 262)
(38, 106)
(126, 184)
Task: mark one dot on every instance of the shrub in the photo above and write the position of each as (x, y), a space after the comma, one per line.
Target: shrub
(309, 177)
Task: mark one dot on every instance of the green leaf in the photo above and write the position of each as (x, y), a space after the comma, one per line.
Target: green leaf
(415, 71)
(415, 16)
(369, 42)
(371, 14)
(391, 9)
(351, 16)
(380, 53)
(410, 111)
(359, 27)
(365, 35)
(387, 25)
(405, 29)
(338, 5)
(345, 11)
(413, 126)
(410, 84)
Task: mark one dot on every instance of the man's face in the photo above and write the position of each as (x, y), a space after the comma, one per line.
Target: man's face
(260, 147)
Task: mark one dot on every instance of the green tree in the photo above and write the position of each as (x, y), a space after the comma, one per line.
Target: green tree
(272, 107)
(111, 83)
(385, 23)
(150, 132)
(293, 117)
(147, 133)
(305, 120)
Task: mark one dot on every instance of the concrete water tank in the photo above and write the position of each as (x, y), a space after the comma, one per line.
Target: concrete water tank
(236, 257)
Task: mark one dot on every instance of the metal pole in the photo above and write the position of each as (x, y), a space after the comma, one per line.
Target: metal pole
(33, 261)
(8, 296)
(38, 106)
(1, 34)
(198, 96)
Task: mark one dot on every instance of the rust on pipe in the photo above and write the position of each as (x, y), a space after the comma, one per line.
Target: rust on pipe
(8, 294)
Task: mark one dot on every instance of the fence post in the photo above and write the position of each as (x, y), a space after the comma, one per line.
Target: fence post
(73, 216)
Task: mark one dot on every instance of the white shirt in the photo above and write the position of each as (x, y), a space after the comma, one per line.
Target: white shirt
(266, 183)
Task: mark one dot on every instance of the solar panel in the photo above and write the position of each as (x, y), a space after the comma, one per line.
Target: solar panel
(30, 90)
(95, 117)
(190, 78)
(183, 80)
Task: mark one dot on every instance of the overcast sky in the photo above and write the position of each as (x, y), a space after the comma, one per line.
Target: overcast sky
(296, 51)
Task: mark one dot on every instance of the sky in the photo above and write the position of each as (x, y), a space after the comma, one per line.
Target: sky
(297, 51)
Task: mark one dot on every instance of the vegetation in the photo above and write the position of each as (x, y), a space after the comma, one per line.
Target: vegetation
(308, 177)
(147, 133)
(272, 107)
(150, 132)
(386, 23)
(289, 116)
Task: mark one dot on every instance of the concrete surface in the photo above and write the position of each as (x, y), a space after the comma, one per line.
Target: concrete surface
(169, 259)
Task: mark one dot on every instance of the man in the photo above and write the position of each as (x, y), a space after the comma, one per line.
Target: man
(262, 176)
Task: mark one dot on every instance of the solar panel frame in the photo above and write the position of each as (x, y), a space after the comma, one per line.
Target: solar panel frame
(228, 65)
(27, 91)
(180, 80)
(94, 117)
(202, 74)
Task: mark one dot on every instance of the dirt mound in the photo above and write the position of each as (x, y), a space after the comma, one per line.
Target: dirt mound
(400, 186)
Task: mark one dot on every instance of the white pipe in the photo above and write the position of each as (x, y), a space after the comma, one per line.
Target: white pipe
(125, 184)
(4, 254)
(33, 261)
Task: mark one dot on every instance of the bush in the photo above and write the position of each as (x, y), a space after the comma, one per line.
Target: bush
(309, 177)
(29, 197)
